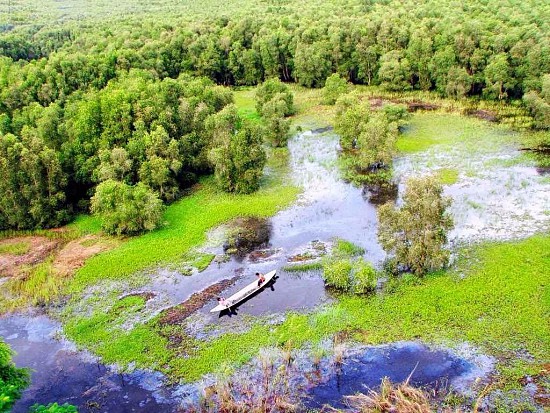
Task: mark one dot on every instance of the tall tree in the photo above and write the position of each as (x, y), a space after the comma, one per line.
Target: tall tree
(416, 233)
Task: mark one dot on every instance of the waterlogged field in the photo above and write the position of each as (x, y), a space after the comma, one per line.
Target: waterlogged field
(497, 192)
(495, 297)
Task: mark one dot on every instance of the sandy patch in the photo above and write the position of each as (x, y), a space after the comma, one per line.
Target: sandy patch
(73, 255)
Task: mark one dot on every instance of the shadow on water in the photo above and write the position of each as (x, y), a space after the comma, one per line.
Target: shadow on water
(233, 310)
(365, 370)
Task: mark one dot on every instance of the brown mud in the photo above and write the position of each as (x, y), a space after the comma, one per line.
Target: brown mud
(178, 313)
(75, 253)
(12, 265)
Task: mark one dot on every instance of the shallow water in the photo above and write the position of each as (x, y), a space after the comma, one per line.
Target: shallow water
(365, 368)
(327, 208)
(62, 374)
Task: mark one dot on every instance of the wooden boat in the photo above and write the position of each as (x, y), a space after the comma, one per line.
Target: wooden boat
(244, 293)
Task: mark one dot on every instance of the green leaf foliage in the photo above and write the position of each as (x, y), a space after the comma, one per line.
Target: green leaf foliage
(53, 408)
(126, 209)
(417, 231)
(334, 87)
(236, 154)
(12, 379)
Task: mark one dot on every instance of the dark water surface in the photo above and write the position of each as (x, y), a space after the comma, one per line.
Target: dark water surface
(365, 370)
(62, 374)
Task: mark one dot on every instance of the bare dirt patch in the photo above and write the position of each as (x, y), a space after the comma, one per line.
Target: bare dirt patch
(39, 248)
(73, 255)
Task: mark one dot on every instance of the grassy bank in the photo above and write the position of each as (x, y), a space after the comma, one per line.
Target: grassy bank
(186, 224)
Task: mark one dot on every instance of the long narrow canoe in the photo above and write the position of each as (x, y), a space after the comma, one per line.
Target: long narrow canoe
(244, 293)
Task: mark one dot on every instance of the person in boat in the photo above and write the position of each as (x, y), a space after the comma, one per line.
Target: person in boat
(261, 278)
(223, 301)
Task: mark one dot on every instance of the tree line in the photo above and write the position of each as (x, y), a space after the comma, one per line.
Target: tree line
(131, 146)
(132, 114)
(494, 49)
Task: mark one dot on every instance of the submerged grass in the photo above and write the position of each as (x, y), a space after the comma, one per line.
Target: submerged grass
(40, 285)
(447, 176)
(435, 128)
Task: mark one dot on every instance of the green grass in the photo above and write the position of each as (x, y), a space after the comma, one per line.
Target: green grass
(18, 248)
(435, 128)
(447, 176)
(86, 224)
(304, 267)
(186, 223)
(38, 287)
(246, 103)
(346, 248)
(503, 306)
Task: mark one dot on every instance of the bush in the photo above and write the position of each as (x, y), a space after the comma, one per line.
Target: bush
(125, 209)
(365, 277)
(337, 273)
(334, 87)
(396, 113)
(12, 379)
(417, 232)
(269, 90)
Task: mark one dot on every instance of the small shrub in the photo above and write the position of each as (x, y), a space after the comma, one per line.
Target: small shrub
(12, 379)
(335, 86)
(270, 89)
(396, 113)
(126, 209)
(364, 277)
(337, 273)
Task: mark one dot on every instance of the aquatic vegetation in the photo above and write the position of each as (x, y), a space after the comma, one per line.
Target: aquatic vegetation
(342, 247)
(497, 304)
(401, 397)
(447, 176)
(303, 267)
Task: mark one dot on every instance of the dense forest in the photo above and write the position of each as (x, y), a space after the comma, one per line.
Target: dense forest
(128, 100)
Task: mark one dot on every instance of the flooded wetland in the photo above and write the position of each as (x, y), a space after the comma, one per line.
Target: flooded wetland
(497, 194)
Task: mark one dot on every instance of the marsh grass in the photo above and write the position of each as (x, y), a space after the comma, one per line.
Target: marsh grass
(499, 306)
(37, 286)
(344, 248)
(187, 222)
(303, 267)
(18, 248)
(402, 398)
(447, 176)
